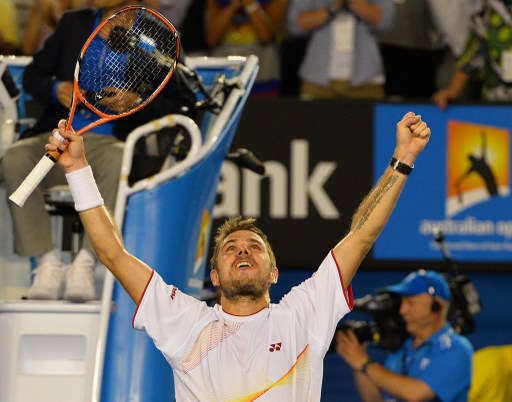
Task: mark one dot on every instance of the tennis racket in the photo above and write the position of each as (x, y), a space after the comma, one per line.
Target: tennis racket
(123, 66)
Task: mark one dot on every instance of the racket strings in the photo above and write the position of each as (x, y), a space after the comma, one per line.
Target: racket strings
(127, 61)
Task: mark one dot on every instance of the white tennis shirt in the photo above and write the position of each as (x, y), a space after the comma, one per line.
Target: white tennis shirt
(275, 354)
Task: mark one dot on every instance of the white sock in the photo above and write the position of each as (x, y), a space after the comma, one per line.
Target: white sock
(50, 256)
(85, 256)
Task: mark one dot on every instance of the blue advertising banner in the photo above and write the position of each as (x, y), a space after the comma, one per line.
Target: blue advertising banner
(460, 185)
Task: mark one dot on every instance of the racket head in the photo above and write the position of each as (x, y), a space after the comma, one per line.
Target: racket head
(125, 63)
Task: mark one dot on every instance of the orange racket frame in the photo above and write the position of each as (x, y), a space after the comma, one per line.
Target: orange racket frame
(42, 168)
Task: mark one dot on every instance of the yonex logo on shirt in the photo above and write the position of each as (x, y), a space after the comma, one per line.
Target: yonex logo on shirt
(275, 347)
(173, 292)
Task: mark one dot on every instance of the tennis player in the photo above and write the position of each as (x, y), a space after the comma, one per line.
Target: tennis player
(245, 348)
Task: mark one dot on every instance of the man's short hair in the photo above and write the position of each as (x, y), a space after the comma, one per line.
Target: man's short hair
(236, 224)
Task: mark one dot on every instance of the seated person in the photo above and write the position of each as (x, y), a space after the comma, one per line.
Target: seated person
(434, 363)
(49, 80)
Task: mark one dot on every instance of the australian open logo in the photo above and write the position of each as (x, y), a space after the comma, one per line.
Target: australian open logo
(478, 158)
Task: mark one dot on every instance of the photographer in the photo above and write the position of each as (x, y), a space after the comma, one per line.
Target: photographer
(434, 362)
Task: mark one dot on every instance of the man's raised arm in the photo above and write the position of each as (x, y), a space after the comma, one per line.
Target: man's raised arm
(99, 224)
(412, 135)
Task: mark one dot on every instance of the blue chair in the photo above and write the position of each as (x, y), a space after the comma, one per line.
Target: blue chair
(166, 221)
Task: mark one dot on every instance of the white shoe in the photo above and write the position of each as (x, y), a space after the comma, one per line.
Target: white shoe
(80, 282)
(48, 281)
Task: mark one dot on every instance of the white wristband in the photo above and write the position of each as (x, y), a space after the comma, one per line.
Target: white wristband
(84, 189)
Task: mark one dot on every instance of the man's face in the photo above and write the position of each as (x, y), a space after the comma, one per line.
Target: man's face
(416, 312)
(243, 266)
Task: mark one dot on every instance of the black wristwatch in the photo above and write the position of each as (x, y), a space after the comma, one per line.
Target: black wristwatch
(400, 166)
(368, 362)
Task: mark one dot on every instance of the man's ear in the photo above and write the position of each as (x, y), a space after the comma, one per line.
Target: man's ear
(274, 275)
(214, 276)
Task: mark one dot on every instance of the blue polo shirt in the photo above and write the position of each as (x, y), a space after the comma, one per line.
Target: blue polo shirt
(444, 362)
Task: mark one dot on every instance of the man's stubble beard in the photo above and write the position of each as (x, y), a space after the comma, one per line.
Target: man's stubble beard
(251, 290)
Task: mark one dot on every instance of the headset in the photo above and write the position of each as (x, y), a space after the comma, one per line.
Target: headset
(435, 307)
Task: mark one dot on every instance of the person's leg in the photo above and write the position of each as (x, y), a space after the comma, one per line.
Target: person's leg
(31, 223)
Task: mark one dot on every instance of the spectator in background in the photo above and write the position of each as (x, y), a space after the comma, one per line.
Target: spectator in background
(434, 363)
(342, 58)
(174, 10)
(423, 35)
(49, 79)
(244, 27)
(43, 17)
(487, 55)
(9, 28)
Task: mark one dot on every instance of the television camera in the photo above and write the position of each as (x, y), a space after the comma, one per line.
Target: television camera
(387, 330)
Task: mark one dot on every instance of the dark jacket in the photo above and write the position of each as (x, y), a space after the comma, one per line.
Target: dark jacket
(56, 62)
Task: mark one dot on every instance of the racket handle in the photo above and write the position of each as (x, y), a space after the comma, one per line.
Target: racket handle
(32, 180)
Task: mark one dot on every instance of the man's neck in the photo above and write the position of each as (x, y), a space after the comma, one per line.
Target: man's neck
(242, 305)
(421, 338)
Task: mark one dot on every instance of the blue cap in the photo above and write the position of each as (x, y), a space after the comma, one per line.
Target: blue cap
(422, 282)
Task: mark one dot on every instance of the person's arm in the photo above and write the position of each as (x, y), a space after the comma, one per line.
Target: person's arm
(367, 389)
(217, 20)
(374, 211)
(40, 75)
(400, 386)
(31, 37)
(267, 20)
(372, 378)
(98, 223)
(309, 20)
(368, 12)
(57, 60)
(107, 241)
(64, 92)
(349, 348)
(443, 96)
